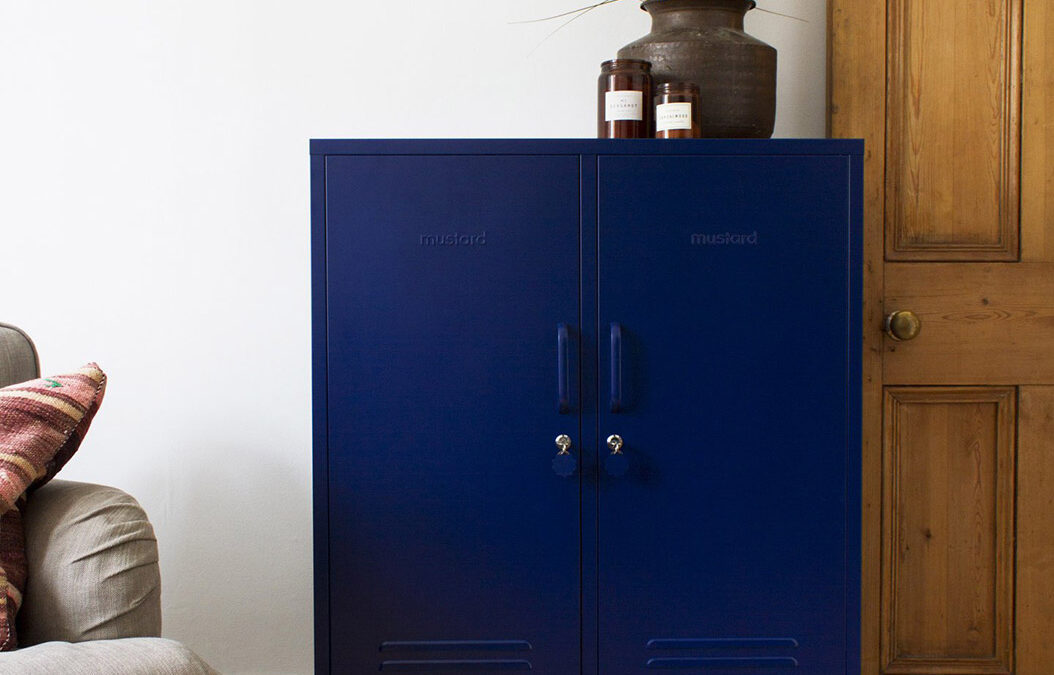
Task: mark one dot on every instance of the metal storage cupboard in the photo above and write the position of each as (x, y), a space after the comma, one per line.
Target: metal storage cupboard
(685, 314)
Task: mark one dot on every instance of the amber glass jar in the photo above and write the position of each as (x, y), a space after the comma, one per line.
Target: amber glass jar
(624, 99)
(677, 112)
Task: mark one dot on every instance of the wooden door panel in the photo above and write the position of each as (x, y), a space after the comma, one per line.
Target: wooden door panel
(951, 174)
(1035, 536)
(1037, 152)
(949, 519)
(981, 323)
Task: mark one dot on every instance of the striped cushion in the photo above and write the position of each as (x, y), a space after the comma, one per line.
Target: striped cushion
(42, 423)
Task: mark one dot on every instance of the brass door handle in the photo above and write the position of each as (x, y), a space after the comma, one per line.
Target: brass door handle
(903, 325)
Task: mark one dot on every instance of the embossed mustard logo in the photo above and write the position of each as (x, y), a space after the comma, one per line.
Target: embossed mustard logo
(725, 239)
(454, 239)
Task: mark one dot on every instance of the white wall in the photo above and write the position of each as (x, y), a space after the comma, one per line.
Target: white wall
(154, 217)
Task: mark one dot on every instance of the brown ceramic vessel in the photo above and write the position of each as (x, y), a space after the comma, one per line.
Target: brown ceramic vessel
(703, 41)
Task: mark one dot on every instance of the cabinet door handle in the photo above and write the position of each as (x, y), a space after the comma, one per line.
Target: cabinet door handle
(562, 374)
(616, 367)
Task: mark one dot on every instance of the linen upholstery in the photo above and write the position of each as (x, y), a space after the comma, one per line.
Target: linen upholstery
(18, 356)
(129, 656)
(93, 566)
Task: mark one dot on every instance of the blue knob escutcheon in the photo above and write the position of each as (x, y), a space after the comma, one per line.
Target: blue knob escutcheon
(616, 464)
(565, 464)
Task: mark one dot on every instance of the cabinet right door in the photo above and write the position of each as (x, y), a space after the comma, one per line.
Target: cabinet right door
(726, 322)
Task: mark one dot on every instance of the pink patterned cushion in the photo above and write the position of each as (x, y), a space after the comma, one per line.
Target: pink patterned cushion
(42, 423)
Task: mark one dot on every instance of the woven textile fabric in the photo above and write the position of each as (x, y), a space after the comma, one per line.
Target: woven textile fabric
(42, 423)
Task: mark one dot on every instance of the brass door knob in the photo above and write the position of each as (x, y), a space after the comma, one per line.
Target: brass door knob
(903, 325)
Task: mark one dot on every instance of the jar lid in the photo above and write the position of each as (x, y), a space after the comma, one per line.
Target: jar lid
(614, 64)
(677, 88)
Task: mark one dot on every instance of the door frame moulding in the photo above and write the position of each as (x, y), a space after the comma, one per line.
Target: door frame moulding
(856, 94)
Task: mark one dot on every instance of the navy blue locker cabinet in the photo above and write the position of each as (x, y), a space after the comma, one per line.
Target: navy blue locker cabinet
(681, 318)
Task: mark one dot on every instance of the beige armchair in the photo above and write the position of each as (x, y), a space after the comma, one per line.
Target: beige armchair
(92, 601)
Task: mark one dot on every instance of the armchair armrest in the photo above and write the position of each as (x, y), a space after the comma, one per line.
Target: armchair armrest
(93, 566)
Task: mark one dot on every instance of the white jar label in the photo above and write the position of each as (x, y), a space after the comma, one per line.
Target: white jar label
(624, 105)
(672, 116)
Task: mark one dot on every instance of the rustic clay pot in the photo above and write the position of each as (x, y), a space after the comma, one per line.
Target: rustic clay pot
(702, 41)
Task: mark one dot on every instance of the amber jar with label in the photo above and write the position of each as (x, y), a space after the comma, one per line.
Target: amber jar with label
(677, 112)
(624, 99)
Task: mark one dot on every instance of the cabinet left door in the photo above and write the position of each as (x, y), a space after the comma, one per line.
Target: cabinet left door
(452, 544)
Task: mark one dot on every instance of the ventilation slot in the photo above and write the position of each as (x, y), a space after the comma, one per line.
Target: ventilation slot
(457, 646)
(429, 665)
(724, 662)
(724, 653)
(467, 665)
(723, 643)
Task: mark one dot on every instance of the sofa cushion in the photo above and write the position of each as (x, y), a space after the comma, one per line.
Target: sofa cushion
(42, 423)
(130, 656)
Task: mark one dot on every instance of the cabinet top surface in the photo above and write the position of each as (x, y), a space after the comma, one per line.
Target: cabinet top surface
(781, 146)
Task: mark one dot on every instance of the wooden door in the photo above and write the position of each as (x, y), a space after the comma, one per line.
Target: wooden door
(956, 102)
